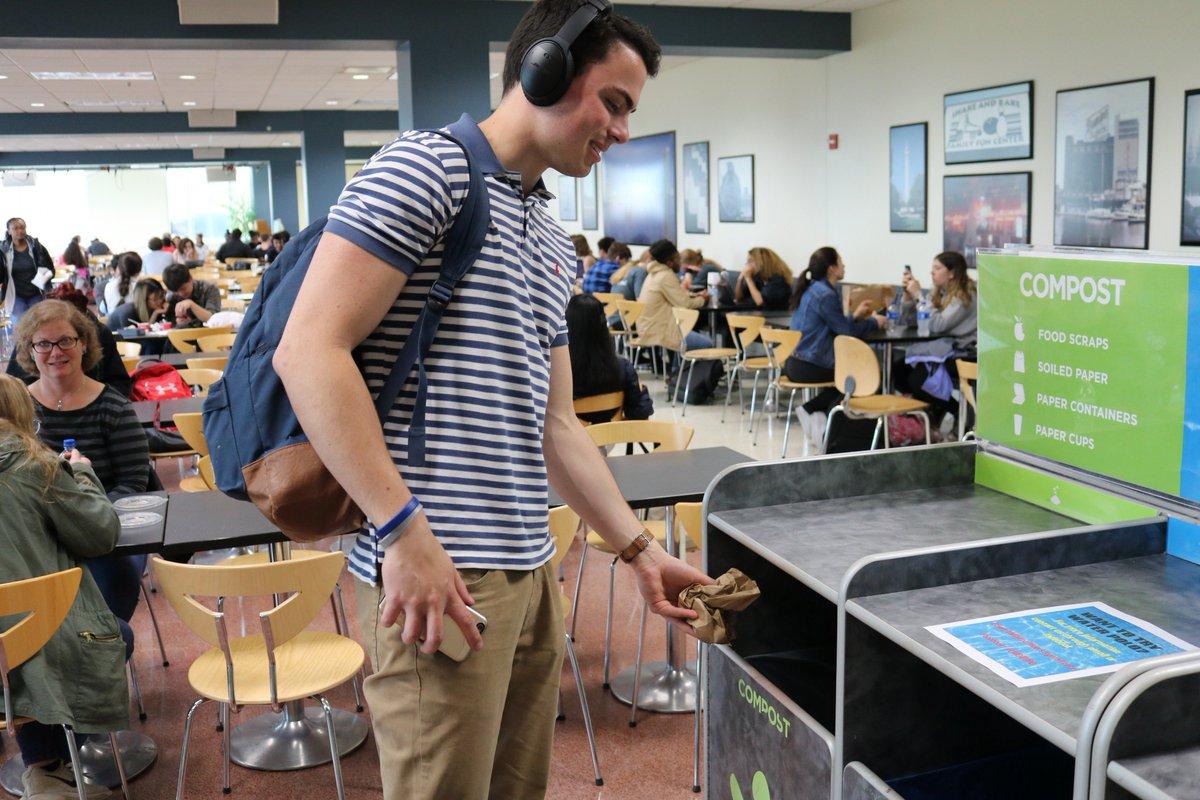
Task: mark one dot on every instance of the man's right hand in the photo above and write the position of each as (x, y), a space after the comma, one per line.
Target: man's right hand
(420, 581)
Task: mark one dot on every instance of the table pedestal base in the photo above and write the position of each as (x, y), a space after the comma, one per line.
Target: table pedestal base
(663, 688)
(138, 752)
(295, 739)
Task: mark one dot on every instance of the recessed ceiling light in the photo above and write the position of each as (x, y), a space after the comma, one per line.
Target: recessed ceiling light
(374, 141)
(286, 144)
(37, 105)
(361, 77)
(189, 102)
(3, 77)
(331, 102)
(93, 76)
(187, 77)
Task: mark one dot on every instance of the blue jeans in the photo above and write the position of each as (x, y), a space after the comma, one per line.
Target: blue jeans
(23, 304)
(120, 581)
(693, 341)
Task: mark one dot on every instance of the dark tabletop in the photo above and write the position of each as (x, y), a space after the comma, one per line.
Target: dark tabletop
(651, 480)
(211, 520)
(168, 409)
(905, 335)
(135, 335)
(145, 539)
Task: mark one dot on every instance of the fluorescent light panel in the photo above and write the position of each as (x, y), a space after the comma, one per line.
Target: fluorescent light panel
(93, 76)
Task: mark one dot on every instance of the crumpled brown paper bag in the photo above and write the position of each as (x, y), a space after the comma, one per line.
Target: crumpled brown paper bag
(714, 603)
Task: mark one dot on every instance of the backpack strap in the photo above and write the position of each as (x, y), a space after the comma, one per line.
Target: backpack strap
(463, 243)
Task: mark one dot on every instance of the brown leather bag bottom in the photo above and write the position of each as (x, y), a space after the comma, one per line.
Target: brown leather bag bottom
(294, 490)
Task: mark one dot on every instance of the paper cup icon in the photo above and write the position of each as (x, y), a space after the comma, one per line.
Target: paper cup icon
(1017, 419)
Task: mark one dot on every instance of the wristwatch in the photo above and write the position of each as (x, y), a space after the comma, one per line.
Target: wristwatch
(639, 544)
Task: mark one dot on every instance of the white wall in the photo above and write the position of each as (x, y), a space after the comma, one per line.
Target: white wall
(773, 108)
(908, 53)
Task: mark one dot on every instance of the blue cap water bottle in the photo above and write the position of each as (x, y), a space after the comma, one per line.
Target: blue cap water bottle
(68, 446)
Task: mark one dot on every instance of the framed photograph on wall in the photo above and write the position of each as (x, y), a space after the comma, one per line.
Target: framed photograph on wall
(1102, 165)
(696, 217)
(735, 189)
(639, 190)
(1189, 232)
(989, 210)
(992, 124)
(589, 201)
(568, 208)
(908, 145)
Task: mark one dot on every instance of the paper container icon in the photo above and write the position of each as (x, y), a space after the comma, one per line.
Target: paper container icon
(1017, 419)
(1018, 360)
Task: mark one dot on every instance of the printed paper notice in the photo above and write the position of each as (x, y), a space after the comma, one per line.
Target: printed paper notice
(1028, 648)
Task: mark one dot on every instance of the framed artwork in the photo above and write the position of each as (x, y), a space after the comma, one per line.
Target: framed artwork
(696, 217)
(989, 210)
(1102, 165)
(908, 145)
(639, 190)
(589, 201)
(1189, 232)
(568, 208)
(735, 192)
(992, 124)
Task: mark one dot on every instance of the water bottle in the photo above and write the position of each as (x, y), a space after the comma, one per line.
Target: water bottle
(893, 316)
(924, 310)
(68, 446)
(714, 289)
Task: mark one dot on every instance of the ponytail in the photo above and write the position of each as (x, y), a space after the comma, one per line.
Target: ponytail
(819, 264)
(129, 266)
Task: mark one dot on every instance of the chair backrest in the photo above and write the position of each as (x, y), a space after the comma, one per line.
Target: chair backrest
(200, 379)
(208, 362)
(206, 472)
(685, 320)
(131, 363)
(129, 348)
(687, 515)
(310, 582)
(665, 436)
(967, 371)
(609, 299)
(185, 339)
(780, 343)
(45, 601)
(217, 343)
(630, 310)
(854, 358)
(745, 329)
(596, 403)
(191, 428)
(563, 524)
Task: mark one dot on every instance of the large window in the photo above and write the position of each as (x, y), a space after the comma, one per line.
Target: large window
(196, 206)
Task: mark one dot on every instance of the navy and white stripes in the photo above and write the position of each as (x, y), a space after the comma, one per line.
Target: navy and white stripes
(483, 486)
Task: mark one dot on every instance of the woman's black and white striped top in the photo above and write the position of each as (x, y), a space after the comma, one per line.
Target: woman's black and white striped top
(107, 432)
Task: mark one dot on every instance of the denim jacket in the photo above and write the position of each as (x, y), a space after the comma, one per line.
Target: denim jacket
(819, 317)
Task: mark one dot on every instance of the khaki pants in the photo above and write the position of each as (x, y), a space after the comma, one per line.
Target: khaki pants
(482, 728)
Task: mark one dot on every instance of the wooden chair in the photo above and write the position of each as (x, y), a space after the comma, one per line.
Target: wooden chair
(191, 428)
(685, 321)
(284, 663)
(856, 374)
(185, 340)
(563, 524)
(200, 379)
(744, 329)
(612, 402)
(609, 299)
(44, 601)
(131, 363)
(663, 436)
(630, 311)
(129, 348)
(217, 343)
(208, 362)
(968, 371)
(781, 343)
(203, 481)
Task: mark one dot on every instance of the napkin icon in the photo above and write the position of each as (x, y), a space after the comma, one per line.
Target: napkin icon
(715, 604)
(1019, 394)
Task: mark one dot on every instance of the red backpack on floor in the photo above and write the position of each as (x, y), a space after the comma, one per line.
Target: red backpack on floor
(158, 381)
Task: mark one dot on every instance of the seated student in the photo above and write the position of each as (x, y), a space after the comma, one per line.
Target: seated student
(110, 369)
(953, 315)
(595, 366)
(583, 251)
(58, 345)
(765, 281)
(74, 257)
(148, 304)
(156, 259)
(696, 268)
(54, 516)
(191, 301)
(170, 243)
(599, 277)
(278, 240)
(662, 293)
(233, 246)
(119, 290)
(201, 247)
(629, 279)
(817, 306)
(187, 254)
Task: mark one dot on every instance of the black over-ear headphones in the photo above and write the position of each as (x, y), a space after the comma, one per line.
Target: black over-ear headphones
(547, 68)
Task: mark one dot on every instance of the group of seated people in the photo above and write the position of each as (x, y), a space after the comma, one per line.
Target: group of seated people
(664, 279)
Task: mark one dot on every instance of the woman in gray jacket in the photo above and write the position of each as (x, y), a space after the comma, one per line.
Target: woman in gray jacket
(54, 516)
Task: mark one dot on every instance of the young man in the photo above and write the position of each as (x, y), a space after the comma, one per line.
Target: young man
(233, 246)
(499, 420)
(599, 277)
(191, 301)
(155, 260)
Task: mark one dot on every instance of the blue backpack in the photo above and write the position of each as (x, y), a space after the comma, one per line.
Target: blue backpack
(259, 450)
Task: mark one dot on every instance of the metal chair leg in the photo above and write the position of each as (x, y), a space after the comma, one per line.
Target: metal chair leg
(183, 747)
(162, 651)
(137, 690)
(333, 748)
(343, 629)
(578, 585)
(879, 423)
(223, 710)
(696, 722)
(583, 705)
(787, 425)
(729, 376)
(829, 427)
(637, 670)
(687, 390)
(112, 742)
(753, 398)
(925, 417)
(608, 616)
(73, 747)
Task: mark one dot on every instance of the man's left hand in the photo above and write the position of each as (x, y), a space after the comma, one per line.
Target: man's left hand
(661, 578)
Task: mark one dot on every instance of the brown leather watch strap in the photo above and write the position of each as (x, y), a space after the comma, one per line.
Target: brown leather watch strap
(636, 546)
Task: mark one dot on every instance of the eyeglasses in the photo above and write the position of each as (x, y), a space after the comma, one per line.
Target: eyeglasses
(45, 346)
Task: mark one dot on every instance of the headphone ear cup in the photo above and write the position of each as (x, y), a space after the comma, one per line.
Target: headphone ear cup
(546, 72)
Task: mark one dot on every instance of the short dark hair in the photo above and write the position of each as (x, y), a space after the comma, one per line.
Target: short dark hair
(236, 233)
(663, 251)
(546, 17)
(283, 237)
(175, 276)
(605, 243)
(155, 243)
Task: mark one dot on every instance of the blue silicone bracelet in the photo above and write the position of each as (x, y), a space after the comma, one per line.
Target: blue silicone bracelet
(402, 516)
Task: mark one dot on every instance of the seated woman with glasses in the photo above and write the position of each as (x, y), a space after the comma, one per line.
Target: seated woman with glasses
(57, 344)
(53, 516)
(149, 304)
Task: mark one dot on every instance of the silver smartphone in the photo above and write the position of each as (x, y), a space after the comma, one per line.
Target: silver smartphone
(454, 645)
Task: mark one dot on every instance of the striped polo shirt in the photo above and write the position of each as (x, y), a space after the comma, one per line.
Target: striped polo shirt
(483, 485)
